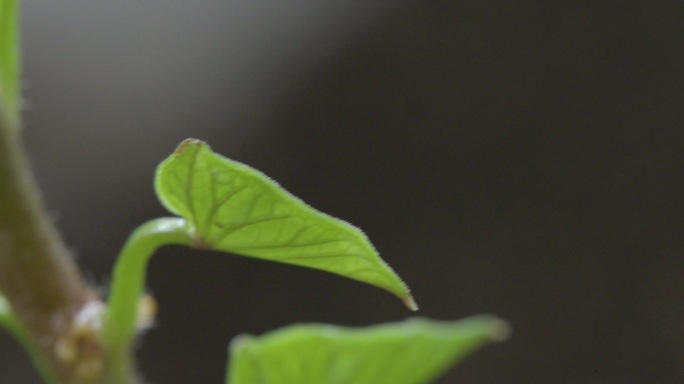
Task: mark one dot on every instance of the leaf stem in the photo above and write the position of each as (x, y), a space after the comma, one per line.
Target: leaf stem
(127, 286)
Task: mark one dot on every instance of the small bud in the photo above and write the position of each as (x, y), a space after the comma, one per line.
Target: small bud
(147, 312)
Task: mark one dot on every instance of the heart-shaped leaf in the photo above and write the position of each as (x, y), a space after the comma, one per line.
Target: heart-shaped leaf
(413, 352)
(235, 208)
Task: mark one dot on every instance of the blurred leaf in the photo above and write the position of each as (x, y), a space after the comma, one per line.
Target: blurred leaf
(9, 57)
(5, 312)
(412, 352)
(235, 208)
(10, 323)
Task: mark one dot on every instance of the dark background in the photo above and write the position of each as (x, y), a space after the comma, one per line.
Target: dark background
(523, 159)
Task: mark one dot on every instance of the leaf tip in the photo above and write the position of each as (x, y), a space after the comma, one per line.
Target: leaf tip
(410, 303)
(499, 330)
(240, 342)
(186, 143)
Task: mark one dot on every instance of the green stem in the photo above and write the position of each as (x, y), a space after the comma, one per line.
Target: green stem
(128, 284)
(10, 61)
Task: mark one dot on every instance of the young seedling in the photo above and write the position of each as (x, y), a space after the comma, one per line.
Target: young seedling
(75, 337)
(227, 206)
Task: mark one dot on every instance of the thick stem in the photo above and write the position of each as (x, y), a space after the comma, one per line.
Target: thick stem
(37, 274)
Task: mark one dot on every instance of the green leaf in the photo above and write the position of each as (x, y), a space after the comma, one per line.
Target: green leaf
(5, 311)
(10, 323)
(235, 208)
(413, 352)
(9, 57)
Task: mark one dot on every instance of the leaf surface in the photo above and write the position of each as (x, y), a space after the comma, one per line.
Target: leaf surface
(235, 208)
(412, 352)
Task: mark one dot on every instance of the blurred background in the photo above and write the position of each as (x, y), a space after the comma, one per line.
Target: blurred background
(522, 159)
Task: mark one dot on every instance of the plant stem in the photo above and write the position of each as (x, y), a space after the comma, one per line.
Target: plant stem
(128, 284)
(38, 276)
